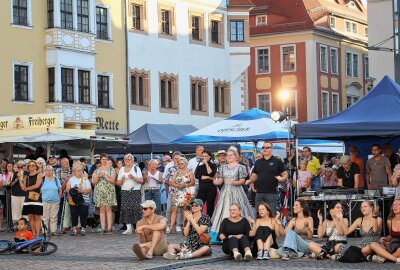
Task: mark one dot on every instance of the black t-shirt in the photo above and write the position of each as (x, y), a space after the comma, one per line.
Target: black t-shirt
(266, 170)
(201, 170)
(228, 227)
(348, 176)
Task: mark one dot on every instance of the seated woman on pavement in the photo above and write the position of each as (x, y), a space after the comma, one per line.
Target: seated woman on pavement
(389, 246)
(333, 227)
(235, 231)
(151, 230)
(196, 231)
(265, 230)
(299, 227)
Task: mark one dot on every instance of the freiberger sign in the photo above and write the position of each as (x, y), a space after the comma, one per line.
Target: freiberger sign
(31, 121)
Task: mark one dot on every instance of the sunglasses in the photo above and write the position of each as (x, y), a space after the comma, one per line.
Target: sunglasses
(20, 167)
(266, 147)
(195, 205)
(145, 208)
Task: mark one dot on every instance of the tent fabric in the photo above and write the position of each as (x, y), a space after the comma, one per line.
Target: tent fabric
(375, 114)
(251, 125)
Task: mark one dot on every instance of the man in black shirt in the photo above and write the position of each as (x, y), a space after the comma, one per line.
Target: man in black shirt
(267, 173)
(348, 173)
(388, 152)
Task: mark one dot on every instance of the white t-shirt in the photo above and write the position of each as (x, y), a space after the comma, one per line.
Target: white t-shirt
(75, 182)
(129, 183)
(151, 183)
(4, 181)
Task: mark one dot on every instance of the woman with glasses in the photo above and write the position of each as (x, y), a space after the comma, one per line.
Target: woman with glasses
(183, 189)
(196, 225)
(205, 172)
(333, 228)
(17, 194)
(104, 182)
(51, 194)
(152, 184)
(232, 175)
(33, 206)
(304, 176)
(130, 180)
(80, 210)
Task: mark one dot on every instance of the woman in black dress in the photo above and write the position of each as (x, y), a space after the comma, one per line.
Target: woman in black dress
(33, 206)
(196, 225)
(235, 231)
(205, 172)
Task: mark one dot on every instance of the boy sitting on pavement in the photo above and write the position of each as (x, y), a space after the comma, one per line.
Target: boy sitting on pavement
(23, 234)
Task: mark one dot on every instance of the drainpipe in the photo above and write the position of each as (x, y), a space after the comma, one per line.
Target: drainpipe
(127, 65)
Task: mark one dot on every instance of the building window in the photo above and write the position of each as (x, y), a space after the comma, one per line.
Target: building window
(102, 23)
(351, 65)
(165, 21)
(350, 100)
(198, 95)
(324, 104)
(263, 61)
(84, 86)
(288, 58)
(332, 21)
(215, 32)
(348, 27)
(66, 14)
(335, 103)
(21, 83)
(323, 58)
(264, 102)
(50, 13)
(169, 93)
(366, 32)
(20, 12)
(103, 91)
(83, 15)
(290, 106)
(136, 18)
(261, 20)
(196, 28)
(222, 98)
(354, 28)
(366, 66)
(334, 61)
(140, 89)
(237, 31)
(51, 74)
(67, 84)
(351, 27)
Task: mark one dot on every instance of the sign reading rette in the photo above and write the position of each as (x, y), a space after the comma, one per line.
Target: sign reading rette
(31, 121)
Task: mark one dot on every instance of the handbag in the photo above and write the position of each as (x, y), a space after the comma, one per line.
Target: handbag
(205, 238)
(75, 197)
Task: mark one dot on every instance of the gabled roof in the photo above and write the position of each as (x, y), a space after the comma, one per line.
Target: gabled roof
(240, 3)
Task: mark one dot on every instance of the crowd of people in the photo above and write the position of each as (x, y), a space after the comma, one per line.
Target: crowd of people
(229, 200)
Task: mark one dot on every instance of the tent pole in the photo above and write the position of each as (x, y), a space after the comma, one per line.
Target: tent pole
(48, 149)
(151, 155)
(297, 166)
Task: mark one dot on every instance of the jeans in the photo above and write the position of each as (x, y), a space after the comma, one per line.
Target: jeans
(316, 183)
(155, 195)
(169, 207)
(269, 198)
(297, 246)
(233, 242)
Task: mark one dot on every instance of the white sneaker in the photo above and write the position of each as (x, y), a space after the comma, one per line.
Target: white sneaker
(178, 229)
(127, 232)
(168, 229)
(398, 261)
(260, 254)
(378, 259)
(248, 256)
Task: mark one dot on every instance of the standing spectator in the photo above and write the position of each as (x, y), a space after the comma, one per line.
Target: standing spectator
(267, 173)
(104, 182)
(120, 164)
(167, 159)
(2, 200)
(221, 158)
(160, 165)
(395, 180)
(17, 194)
(79, 184)
(33, 206)
(95, 166)
(378, 169)
(64, 214)
(112, 163)
(195, 161)
(359, 161)
(151, 232)
(290, 160)
(314, 166)
(233, 177)
(205, 172)
(348, 173)
(51, 194)
(152, 185)
(305, 176)
(84, 164)
(182, 194)
(4, 162)
(388, 152)
(53, 162)
(64, 154)
(235, 231)
(329, 179)
(42, 166)
(130, 180)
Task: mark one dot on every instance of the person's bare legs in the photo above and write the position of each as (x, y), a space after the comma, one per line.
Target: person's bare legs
(33, 225)
(366, 251)
(109, 218)
(381, 251)
(157, 235)
(174, 248)
(203, 251)
(37, 223)
(103, 218)
(260, 244)
(314, 248)
(174, 212)
(267, 245)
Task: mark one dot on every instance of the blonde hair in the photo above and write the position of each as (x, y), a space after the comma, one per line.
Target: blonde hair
(41, 162)
(78, 164)
(234, 150)
(129, 156)
(153, 160)
(183, 159)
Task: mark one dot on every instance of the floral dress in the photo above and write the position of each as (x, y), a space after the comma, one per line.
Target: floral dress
(105, 192)
(182, 196)
(193, 239)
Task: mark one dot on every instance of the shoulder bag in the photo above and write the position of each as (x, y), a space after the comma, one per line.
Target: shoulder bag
(33, 195)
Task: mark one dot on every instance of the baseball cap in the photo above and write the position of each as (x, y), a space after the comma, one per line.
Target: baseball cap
(149, 204)
(221, 152)
(344, 159)
(52, 156)
(196, 201)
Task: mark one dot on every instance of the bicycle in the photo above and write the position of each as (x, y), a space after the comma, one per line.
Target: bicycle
(39, 246)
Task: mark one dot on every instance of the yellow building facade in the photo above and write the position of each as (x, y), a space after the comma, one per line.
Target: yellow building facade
(65, 56)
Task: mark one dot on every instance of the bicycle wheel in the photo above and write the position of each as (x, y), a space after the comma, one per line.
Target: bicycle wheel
(41, 249)
(5, 246)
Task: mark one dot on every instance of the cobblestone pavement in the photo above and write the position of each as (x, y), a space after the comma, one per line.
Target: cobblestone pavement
(97, 252)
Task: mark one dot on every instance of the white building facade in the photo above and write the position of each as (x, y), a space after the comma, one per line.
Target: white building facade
(187, 61)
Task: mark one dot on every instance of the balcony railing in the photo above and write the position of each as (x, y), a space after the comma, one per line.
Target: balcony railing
(72, 40)
(74, 113)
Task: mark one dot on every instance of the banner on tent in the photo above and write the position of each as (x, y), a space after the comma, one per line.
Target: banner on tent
(31, 122)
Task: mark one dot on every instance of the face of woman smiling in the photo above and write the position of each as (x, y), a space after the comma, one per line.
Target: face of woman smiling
(297, 208)
(366, 209)
(234, 211)
(262, 211)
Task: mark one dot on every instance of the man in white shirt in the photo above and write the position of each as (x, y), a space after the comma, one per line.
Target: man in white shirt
(194, 162)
